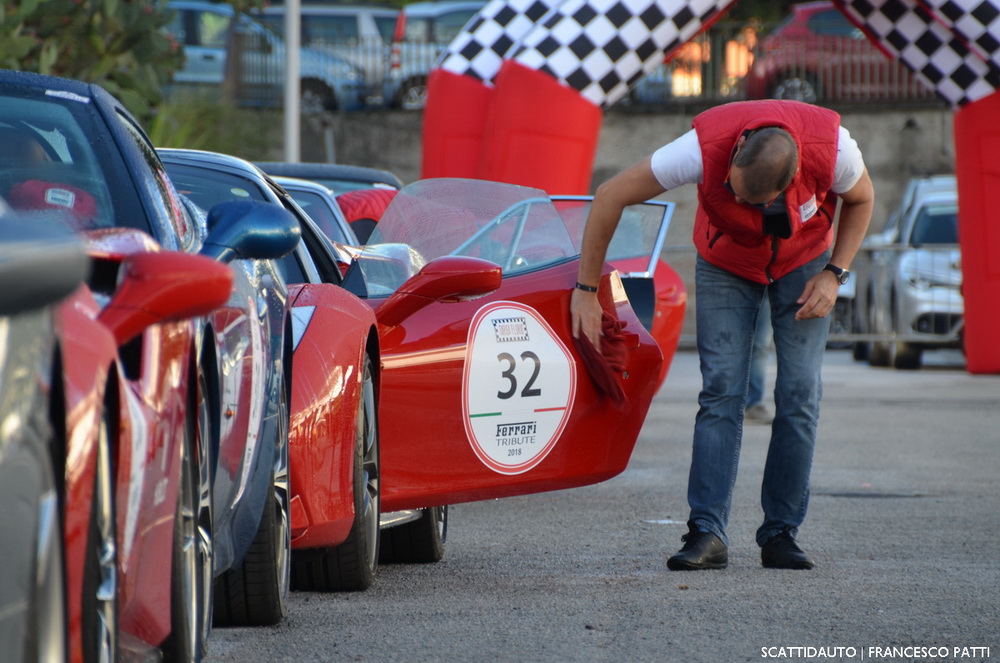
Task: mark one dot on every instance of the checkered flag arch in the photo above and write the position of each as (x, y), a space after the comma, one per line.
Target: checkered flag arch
(977, 22)
(939, 57)
(482, 45)
(602, 47)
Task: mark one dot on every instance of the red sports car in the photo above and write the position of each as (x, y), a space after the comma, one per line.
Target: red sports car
(484, 391)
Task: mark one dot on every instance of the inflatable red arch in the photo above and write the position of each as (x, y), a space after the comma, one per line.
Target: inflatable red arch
(519, 96)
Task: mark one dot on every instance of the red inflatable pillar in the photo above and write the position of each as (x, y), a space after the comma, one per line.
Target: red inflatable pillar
(454, 120)
(977, 146)
(539, 133)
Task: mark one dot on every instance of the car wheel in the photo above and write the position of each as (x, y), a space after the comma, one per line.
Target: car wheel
(797, 87)
(256, 592)
(413, 95)
(99, 612)
(316, 98)
(351, 565)
(878, 351)
(906, 356)
(417, 542)
(191, 576)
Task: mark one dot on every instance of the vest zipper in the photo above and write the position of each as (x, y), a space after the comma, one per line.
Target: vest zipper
(715, 239)
(774, 258)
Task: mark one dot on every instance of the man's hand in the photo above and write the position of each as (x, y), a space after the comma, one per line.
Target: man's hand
(818, 297)
(585, 312)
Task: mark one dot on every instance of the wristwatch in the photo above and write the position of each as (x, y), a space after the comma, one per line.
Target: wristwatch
(841, 274)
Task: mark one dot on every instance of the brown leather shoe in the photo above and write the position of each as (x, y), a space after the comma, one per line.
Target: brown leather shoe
(702, 550)
(781, 552)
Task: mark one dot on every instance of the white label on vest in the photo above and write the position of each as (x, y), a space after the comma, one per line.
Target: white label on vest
(808, 210)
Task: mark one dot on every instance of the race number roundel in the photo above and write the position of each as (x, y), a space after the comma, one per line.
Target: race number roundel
(517, 389)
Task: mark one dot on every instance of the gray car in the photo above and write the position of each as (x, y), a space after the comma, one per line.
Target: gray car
(913, 296)
(328, 82)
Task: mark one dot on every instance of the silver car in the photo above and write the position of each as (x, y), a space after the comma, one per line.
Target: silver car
(914, 299)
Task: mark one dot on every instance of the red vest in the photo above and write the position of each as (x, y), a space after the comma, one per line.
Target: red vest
(730, 235)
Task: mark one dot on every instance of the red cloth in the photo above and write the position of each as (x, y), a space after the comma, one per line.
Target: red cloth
(604, 366)
(365, 203)
(39, 195)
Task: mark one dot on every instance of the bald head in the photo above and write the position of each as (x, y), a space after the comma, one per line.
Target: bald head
(768, 160)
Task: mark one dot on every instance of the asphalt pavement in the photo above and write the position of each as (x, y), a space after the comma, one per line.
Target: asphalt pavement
(903, 525)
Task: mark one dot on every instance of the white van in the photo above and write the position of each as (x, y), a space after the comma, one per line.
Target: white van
(357, 33)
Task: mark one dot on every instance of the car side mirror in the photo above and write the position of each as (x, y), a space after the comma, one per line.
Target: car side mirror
(249, 229)
(445, 279)
(163, 287)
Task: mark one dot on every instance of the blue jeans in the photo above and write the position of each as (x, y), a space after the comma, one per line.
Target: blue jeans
(761, 355)
(726, 309)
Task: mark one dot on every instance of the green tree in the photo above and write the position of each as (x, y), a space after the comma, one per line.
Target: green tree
(118, 44)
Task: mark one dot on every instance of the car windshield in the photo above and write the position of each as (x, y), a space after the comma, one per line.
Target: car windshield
(641, 231)
(513, 226)
(49, 161)
(519, 228)
(936, 225)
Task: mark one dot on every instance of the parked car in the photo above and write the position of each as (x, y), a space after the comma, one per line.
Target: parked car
(493, 347)
(41, 267)
(917, 188)
(203, 28)
(100, 169)
(396, 49)
(914, 299)
(817, 55)
(425, 30)
(339, 177)
(359, 34)
(349, 184)
(334, 441)
(320, 203)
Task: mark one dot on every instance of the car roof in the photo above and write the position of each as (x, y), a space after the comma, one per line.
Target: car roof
(309, 170)
(333, 10)
(434, 8)
(203, 157)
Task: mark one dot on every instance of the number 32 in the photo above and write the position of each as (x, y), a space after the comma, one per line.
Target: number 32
(508, 374)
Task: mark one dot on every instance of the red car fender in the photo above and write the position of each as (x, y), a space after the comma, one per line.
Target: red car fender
(152, 414)
(88, 350)
(326, 389)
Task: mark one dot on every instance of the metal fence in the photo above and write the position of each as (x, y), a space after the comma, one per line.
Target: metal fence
(726, 63)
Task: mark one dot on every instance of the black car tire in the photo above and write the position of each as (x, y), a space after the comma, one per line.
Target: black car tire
(352, 565)
(418, 542)
(256, 592)
(99, 609)
(878, 350)
(316, 97)
(187, 580)
(906, 356)
(412, 94)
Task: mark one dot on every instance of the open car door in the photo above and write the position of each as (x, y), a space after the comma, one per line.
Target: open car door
(484, 392)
